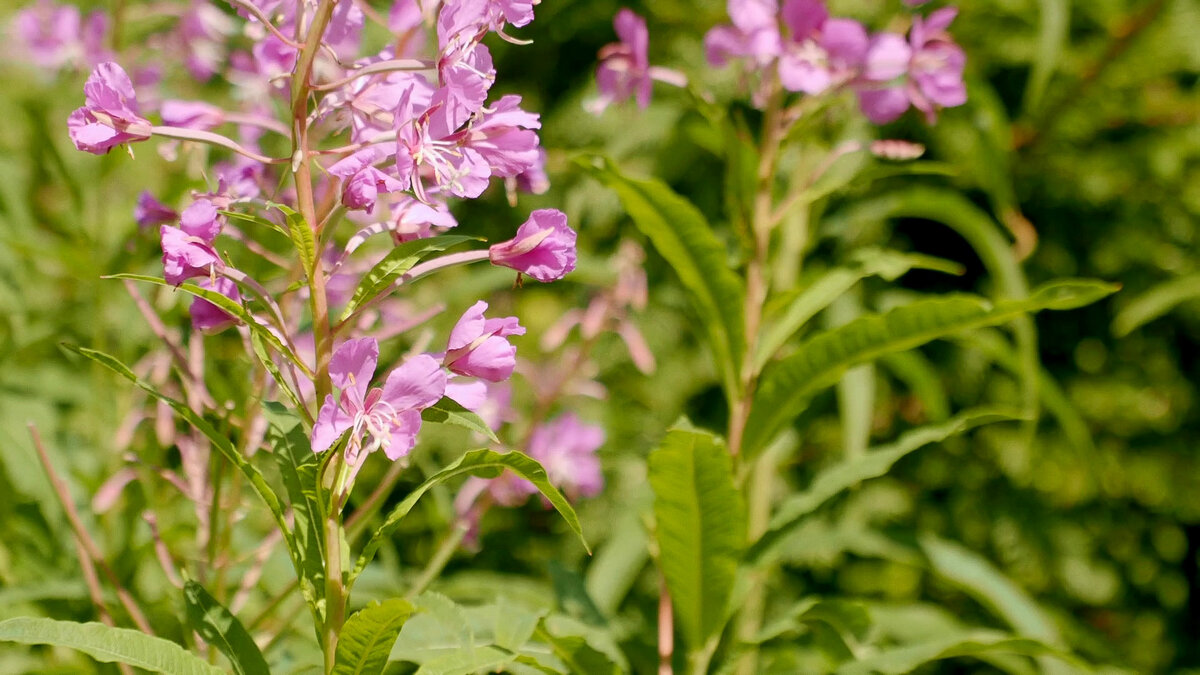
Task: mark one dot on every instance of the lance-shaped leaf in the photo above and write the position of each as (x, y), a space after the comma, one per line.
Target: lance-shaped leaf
(107, 644)
(221, 629)
(486, 464)
(257, 482)
(299, 467)
(700, 529)
(398, 261)
(907, 658)
(302, 237)
(230, 307)
(874, 464)
(687, 242)
(787, 386)
(790, 314)
(367, 638)
(448, 411)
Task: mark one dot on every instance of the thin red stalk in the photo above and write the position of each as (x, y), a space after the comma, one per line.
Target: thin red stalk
(90, 549)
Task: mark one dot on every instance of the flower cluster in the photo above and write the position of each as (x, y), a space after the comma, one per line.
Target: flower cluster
(803, 48)
(384, 141)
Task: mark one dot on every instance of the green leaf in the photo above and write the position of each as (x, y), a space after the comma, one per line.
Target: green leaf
(685, 239)
(220, 442)
(260, 350)
(907, 658)
(487, 464)
(107, 644)
(299, 467)
(700, 529)
(398, 261)
(577, 656)
(787, 385)
(442, 640)
(221, 629)
(786, 317)
(848, 619)
(301, 234)
(367, 638)
(976, 575)
(874, 464)
(229, 306)
(449, 411)
(1055, 24)
(255, 220)
(1154, 303)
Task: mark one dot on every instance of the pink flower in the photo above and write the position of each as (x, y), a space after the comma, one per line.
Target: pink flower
(544, 247)
(624, 65)
(203, 31)
(191, 114)
(49, 33)
(110, 116)
(504, 137)
(478, 347)
(754, 34)
(386, 418)
(207, 316)
(186, 256)
(567, 449)
(187, 250)
(937, 64)
(150, 212)
(625, 69)
(461, 171)
(361, 182)
(822, 52)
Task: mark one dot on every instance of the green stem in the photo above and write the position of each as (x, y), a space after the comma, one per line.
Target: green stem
(335, 590)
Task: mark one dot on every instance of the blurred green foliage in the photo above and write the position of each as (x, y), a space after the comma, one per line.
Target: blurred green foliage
(1082, 136)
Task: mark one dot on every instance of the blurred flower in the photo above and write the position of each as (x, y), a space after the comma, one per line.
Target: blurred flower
(185, 256)
(150, 212)
(389, 416)
(110, 116)
(478, 347)
(625, 69)
(544, 247)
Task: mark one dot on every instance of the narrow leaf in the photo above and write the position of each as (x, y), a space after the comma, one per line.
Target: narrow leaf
(699, 527)
(367, 638)
(874, 464)
(107, 644)
(229, 306)
(449, 411)
(1154, 303)
(685, 239)
(221, 629)
(485, 463)
(787, 385)
(398, 261)
(907, 658)
(784, 321)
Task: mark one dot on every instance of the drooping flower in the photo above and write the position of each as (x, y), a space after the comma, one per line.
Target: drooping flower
(478, 348)
(185, 256)
(384, 418)
(208, 317)
(110, 116)
(544, 247)
(361, 181)
(188, 249)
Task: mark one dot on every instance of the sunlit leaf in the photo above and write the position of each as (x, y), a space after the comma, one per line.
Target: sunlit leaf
(787, 385)
(107, 644)
(366, 640)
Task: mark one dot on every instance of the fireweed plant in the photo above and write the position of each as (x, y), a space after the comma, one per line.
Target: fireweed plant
(329, 151)
(812, 85)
